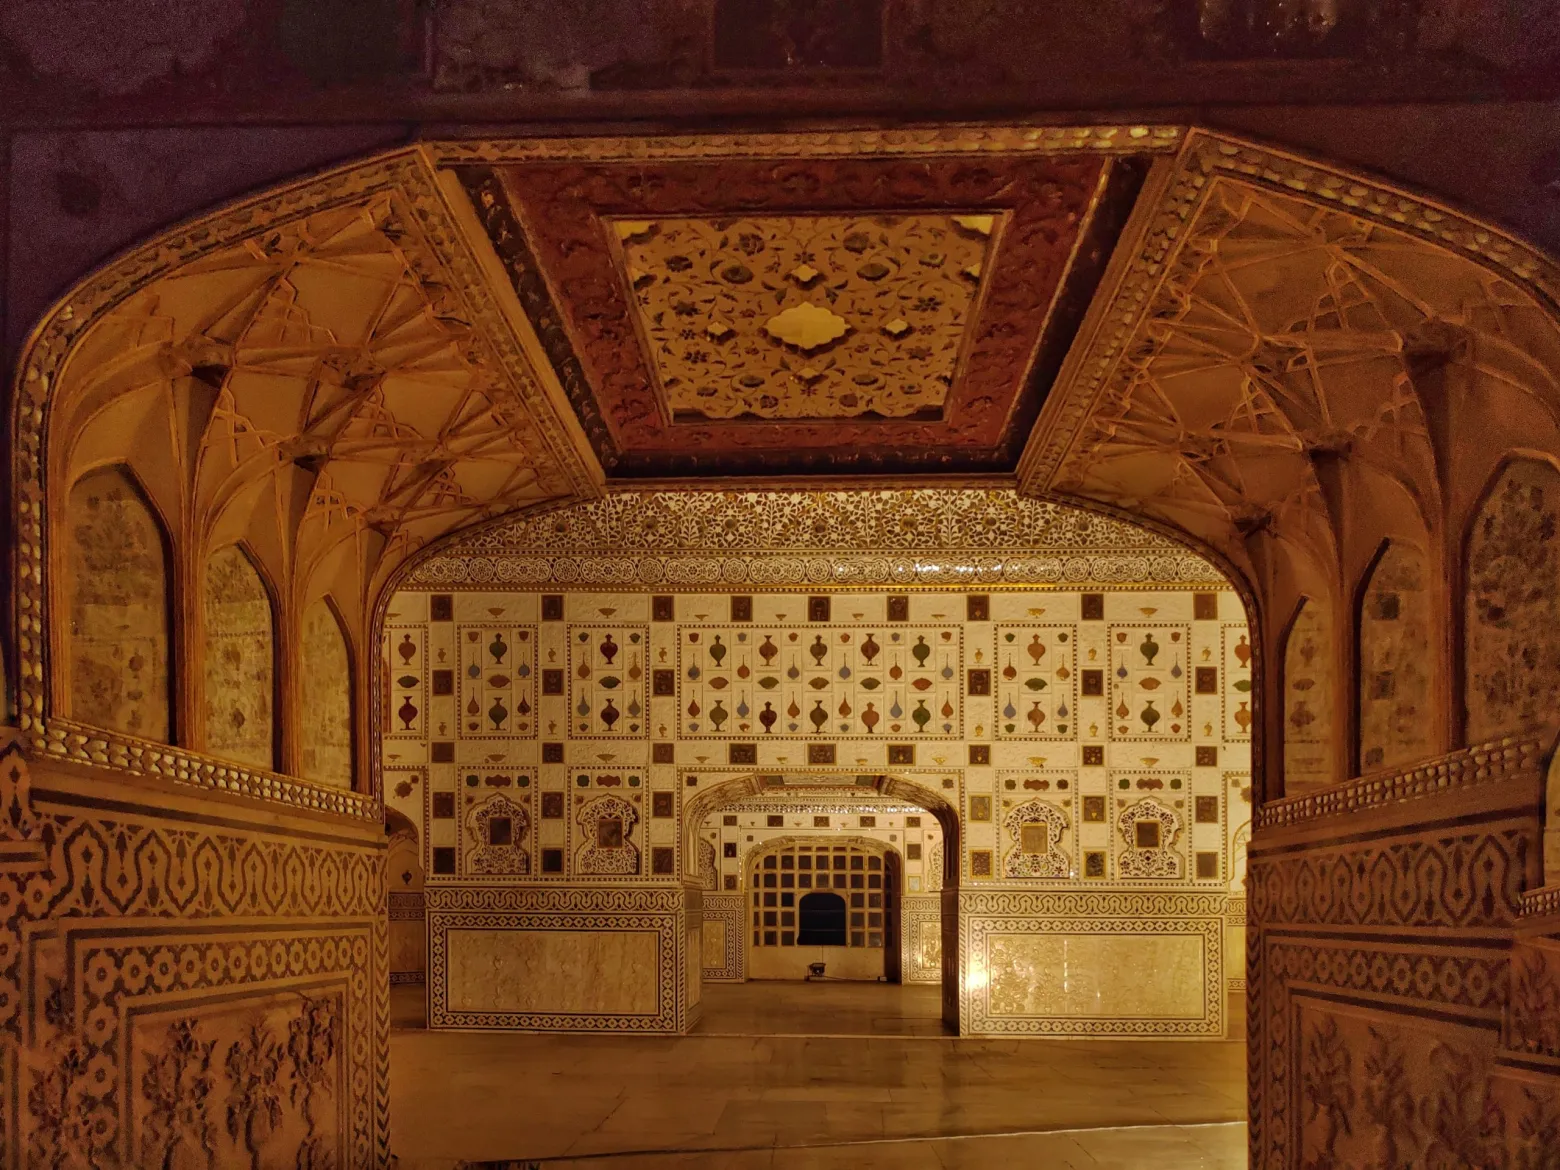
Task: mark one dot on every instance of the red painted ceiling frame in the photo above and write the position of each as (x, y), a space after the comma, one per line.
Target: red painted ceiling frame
(1048, 200)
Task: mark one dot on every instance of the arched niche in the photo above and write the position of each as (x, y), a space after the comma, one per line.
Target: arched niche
(325, 718)
(240, 660)
(1308, 688)
(734, 790)
(119, 637)
(1396, 660)
(1511, 617)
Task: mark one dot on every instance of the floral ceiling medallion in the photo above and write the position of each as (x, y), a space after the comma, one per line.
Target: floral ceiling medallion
(814, 316)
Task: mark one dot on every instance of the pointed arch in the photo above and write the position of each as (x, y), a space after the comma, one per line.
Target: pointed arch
(119, 580)
(240, 659)
(1394, 619)
(1511, 616)
(1308, 688)
(326, 710)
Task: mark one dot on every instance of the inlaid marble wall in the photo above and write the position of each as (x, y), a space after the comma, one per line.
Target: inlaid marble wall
(240, 661)
(1069, 727)
(119, 608)
(325, 718)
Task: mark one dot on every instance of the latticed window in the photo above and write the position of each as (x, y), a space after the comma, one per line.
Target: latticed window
(785, 914)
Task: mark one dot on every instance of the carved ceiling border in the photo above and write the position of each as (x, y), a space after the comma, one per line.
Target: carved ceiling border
(968, 138)
(1205, 157)
(406, 177)
(776, 538)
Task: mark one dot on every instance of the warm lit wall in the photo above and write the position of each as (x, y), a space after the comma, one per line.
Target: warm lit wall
(1351, 393)
(1091, 739)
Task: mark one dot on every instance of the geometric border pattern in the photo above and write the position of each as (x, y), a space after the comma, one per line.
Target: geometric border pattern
(659, 909)
(914, 911)
(730, 909)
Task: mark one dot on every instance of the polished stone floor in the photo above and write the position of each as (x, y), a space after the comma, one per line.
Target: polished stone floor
(766, 1084)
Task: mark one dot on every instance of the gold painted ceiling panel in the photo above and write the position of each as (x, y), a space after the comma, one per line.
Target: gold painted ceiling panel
(805, 317)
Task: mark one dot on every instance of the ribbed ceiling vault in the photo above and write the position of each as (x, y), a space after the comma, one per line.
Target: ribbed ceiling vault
(1283, 362)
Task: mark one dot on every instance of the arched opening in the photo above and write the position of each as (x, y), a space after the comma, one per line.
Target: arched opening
(821, 919)
(324, 378)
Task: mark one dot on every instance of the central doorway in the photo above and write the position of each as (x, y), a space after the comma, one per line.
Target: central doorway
(818, 908)
(822, 911)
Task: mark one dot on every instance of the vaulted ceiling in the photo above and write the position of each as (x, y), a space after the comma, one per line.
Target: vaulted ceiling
(1279, 360)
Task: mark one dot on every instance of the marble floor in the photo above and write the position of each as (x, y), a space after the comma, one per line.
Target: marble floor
(884, 1089)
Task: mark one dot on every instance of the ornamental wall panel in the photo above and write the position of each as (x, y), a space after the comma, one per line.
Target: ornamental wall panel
(167, 955)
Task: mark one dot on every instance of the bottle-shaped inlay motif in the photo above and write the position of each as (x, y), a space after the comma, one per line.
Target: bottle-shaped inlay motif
(1036, 649)
(407, 649)
(920, 651)
(408, 713)
(1148, 648)
(818, 649)
(870, 718)
(1149, 716)
(818, 715)
(718, 651)
(768, 650)
(921, 716)
(870, 649)
(768, 717)
(610, 714)
(498, 713)
(497, 648)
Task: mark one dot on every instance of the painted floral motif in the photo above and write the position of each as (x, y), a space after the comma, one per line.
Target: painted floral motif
(709, 869)
(1036, 829)
(1512, 647)
(326, 708)
(497, 682)
(119, 608)
(1148, 682)
(1308, 698)
(607, 677)
(499, 828)
(606, 827)
(1034, 681)
(812, 680)
(1395, 724)
(240, 661)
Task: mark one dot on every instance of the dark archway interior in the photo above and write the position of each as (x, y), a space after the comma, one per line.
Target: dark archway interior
(821, 920)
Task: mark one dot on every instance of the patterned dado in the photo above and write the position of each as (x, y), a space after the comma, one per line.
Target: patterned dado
(1397, 1014)
(184, 984)
(603, 696)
